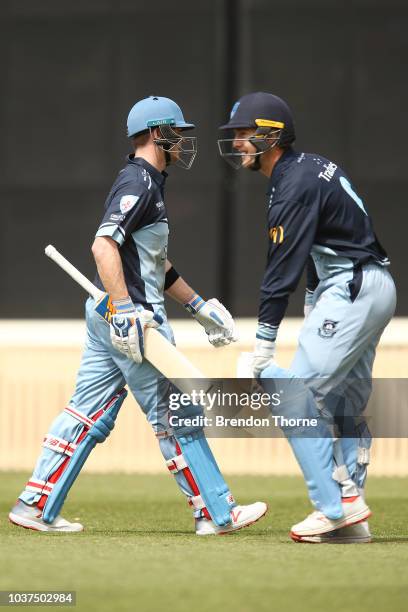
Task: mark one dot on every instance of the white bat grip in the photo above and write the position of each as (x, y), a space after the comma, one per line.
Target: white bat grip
(86, 284)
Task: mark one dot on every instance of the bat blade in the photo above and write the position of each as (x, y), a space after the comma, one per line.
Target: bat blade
(169, 361)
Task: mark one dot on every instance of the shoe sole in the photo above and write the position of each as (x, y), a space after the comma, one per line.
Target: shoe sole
(13, 522)
(333, 540)
(359, 517)
(230, 531)
(322, 539)
(28, 524)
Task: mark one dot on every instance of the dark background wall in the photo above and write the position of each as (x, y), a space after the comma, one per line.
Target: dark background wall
(70, 71)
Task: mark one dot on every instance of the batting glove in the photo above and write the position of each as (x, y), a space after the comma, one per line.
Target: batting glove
(264, 352)
(215, 318)
(265, 348)
(127, 327)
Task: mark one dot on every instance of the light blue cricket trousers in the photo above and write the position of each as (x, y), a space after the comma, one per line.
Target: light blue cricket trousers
(334, 360)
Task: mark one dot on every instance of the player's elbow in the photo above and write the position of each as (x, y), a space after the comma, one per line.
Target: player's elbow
(102, 246)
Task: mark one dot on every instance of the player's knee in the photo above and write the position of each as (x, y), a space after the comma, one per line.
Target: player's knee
(102, 428)
(296, 400)
(186, 420)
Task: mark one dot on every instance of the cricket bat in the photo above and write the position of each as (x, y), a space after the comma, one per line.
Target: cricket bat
(159, 351)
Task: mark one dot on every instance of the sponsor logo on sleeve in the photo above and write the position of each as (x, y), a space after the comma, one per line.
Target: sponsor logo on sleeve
(328, 172)
(115, 217)
(127, 202)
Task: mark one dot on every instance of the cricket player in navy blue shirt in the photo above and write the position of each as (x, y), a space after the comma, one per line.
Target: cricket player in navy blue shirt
(317, 220)
(130, 251)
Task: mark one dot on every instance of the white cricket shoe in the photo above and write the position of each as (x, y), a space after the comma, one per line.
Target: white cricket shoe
(359, 533)
(29, 517)
(355, 510)
(241, 516)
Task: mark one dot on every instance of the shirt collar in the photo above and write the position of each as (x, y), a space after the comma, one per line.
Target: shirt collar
(280, 167)
(157, 176)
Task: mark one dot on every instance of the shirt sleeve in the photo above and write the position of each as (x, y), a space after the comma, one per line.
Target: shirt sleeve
(292, 229)
(127, 210)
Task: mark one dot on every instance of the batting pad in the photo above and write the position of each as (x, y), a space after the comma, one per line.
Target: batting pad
(213, 489)
(99, 431)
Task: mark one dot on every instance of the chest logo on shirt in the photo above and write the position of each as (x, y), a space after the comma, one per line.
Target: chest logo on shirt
(328, 329)
(127, 202)
(276, 234)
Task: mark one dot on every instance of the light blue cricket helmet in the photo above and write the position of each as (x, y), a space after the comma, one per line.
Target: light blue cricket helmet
(155, 111)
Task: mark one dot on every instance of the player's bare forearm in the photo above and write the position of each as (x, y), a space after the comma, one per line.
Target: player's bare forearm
(109, 264)
(212, 315)
(179, 291)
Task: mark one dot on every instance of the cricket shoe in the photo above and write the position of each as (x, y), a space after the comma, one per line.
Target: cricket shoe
(355, 510)
(359, 533)
(241, 516)
(29, 517)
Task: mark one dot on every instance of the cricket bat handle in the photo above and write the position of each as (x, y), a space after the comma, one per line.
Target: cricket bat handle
(73, 272)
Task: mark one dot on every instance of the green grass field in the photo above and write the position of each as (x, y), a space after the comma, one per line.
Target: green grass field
(139, 552)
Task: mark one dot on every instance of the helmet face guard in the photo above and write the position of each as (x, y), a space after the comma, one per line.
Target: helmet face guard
(165, 115)
(264, 138)
(179, 150)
